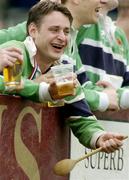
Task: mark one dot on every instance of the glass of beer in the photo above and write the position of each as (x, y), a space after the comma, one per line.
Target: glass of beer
(12, 75)
(63, 75)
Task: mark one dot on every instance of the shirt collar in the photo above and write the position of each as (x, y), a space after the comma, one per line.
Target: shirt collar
(31, 48)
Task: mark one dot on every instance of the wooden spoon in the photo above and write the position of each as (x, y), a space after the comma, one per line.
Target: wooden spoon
(63, 167)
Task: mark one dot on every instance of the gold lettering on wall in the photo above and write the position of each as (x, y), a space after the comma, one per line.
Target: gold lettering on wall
(23, 156)
(2, 109)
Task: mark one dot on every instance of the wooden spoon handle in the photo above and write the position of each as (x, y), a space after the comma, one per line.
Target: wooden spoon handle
(94, 152)
(90, 154)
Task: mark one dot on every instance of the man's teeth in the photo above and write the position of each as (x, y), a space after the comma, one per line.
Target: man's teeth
(57, 46)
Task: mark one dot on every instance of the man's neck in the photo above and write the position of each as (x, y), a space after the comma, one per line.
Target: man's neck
(43, 64)
(76, 21)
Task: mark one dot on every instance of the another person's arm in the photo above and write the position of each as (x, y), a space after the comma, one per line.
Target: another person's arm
(88, 130)
(97, 97)
(17, 32)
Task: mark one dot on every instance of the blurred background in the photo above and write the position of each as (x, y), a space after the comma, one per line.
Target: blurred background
(14, 11)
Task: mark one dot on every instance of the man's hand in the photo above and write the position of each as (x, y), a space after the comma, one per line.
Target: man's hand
(104, 84)
(54, 91)
(110, 142)
(111, 93)
(8, 56)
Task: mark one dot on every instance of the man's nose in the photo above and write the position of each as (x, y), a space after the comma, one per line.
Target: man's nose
(62, 35)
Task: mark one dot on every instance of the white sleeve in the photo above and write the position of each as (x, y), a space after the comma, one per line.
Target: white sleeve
(103, 101)
(124, 100)
(44, 94)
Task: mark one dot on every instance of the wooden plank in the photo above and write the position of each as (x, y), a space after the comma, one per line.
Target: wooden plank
(32, 139)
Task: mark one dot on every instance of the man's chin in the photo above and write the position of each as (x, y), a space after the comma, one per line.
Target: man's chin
(56, 58)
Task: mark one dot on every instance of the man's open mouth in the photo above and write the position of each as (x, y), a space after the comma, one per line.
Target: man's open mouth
(58, 46)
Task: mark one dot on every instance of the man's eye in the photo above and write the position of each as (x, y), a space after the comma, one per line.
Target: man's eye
(54, 30)
(67, 32)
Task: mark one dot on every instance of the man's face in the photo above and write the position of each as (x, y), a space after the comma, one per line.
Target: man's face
(52, 36)
(89, 10)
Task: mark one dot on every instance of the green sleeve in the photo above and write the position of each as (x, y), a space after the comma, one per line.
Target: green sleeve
(82, 122)
(2, 87)
(30, 90)
(84, 128)
(17, 32)
(94, 97)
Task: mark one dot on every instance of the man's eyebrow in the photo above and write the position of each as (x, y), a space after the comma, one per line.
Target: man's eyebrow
(54, 26)
(57, 26)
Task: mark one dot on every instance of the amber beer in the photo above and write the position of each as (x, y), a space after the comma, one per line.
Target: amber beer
(65, 88)
(12, 75)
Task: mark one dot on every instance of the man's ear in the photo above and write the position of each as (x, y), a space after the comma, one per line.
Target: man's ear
(32, 29)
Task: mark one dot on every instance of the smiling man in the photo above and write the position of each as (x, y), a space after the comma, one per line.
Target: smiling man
(39, 52)
(51, 38)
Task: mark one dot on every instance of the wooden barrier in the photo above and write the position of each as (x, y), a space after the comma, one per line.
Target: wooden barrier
(121, 115)
(32, 139)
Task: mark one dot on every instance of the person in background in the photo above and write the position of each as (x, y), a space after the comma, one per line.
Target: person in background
(17, 32)
(53, 21)
(123, 16)
(107, 67)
